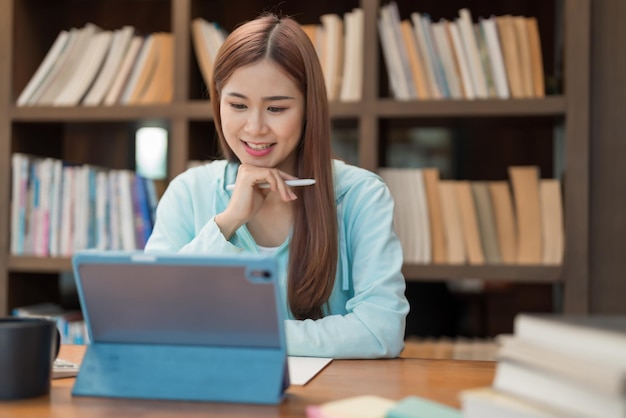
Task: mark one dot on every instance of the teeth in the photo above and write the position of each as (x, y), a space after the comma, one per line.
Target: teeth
(258, 147)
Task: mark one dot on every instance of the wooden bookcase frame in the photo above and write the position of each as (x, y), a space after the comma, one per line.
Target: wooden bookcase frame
(573, 108)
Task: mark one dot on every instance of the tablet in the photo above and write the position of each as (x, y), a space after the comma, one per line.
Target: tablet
(179, 299)
(209, 324)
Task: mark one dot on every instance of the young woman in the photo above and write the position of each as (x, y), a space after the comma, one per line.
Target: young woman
(340, 260)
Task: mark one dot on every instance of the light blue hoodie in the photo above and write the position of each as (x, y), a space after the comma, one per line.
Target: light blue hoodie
(366, 312)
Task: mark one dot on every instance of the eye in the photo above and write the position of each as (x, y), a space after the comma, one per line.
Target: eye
(238, 106)
(276, 109)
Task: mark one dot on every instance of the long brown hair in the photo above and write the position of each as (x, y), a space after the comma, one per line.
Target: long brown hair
(313, 251)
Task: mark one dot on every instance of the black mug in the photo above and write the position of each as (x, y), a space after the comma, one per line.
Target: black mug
(28, 347)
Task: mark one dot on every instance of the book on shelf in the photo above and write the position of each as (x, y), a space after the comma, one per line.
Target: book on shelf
(333, 53)
(473, 56)
(435, 57)
(435, 216)
(486, 222)
(120, 43)
(202, 50)
(87, 70)
(521, 33)
(394, 56)
(526, 196)
(43, 71)
(122, 76)
(553, 234)
(511, 54)
(207, 37)
(418, 72)
(453, 222)
(56, 67)
(461, 60)
(420, 26)
(483, 53)
(70, 68)
(442, 44)
(160, 87)
(504, 218)
(143, 70)
(352, 78)
(496, 61)
(536, 57)
(469, 222)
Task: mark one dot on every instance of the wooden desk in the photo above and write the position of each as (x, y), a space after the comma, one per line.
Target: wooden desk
(439, 380)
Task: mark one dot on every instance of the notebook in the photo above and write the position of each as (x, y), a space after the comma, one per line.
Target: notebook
(153, 319)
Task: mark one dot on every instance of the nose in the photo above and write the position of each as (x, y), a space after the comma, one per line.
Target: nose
(255, 123)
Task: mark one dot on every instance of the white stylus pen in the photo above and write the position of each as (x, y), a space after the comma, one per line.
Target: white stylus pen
(292, 183)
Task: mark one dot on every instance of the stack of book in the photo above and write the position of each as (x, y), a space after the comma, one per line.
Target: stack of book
(557, 366)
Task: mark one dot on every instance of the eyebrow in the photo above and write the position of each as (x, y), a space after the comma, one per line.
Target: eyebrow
(266, 99)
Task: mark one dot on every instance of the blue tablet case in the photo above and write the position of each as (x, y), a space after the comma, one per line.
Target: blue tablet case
(181, 327)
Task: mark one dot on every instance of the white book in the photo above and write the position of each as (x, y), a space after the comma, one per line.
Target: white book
(422, 219)
(352, 79)
(115, 91)
(469, 41)
(67, 213)
(114, 211)
(56, 68)
(19, 167)
(87, 70)
(461, 57)
(572, 399)
(80, 202)
(127, 216)
(495, 57)
(45, 172)
(595, 336)
(101, 211)
(596, 373)
(44, 68)
(333, 50)
(71, 67)
(55, 207)
(119, 46)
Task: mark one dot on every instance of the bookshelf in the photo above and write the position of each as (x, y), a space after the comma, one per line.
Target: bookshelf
(104, 135)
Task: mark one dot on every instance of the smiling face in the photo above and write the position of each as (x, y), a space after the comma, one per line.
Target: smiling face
(262, 112)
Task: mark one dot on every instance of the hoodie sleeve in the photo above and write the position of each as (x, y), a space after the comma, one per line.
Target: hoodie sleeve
(372, 323)
(185, 221)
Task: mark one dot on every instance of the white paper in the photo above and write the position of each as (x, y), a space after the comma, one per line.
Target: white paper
(303, 369)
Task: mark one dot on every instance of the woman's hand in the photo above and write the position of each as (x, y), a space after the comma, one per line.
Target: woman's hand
(248, 197)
